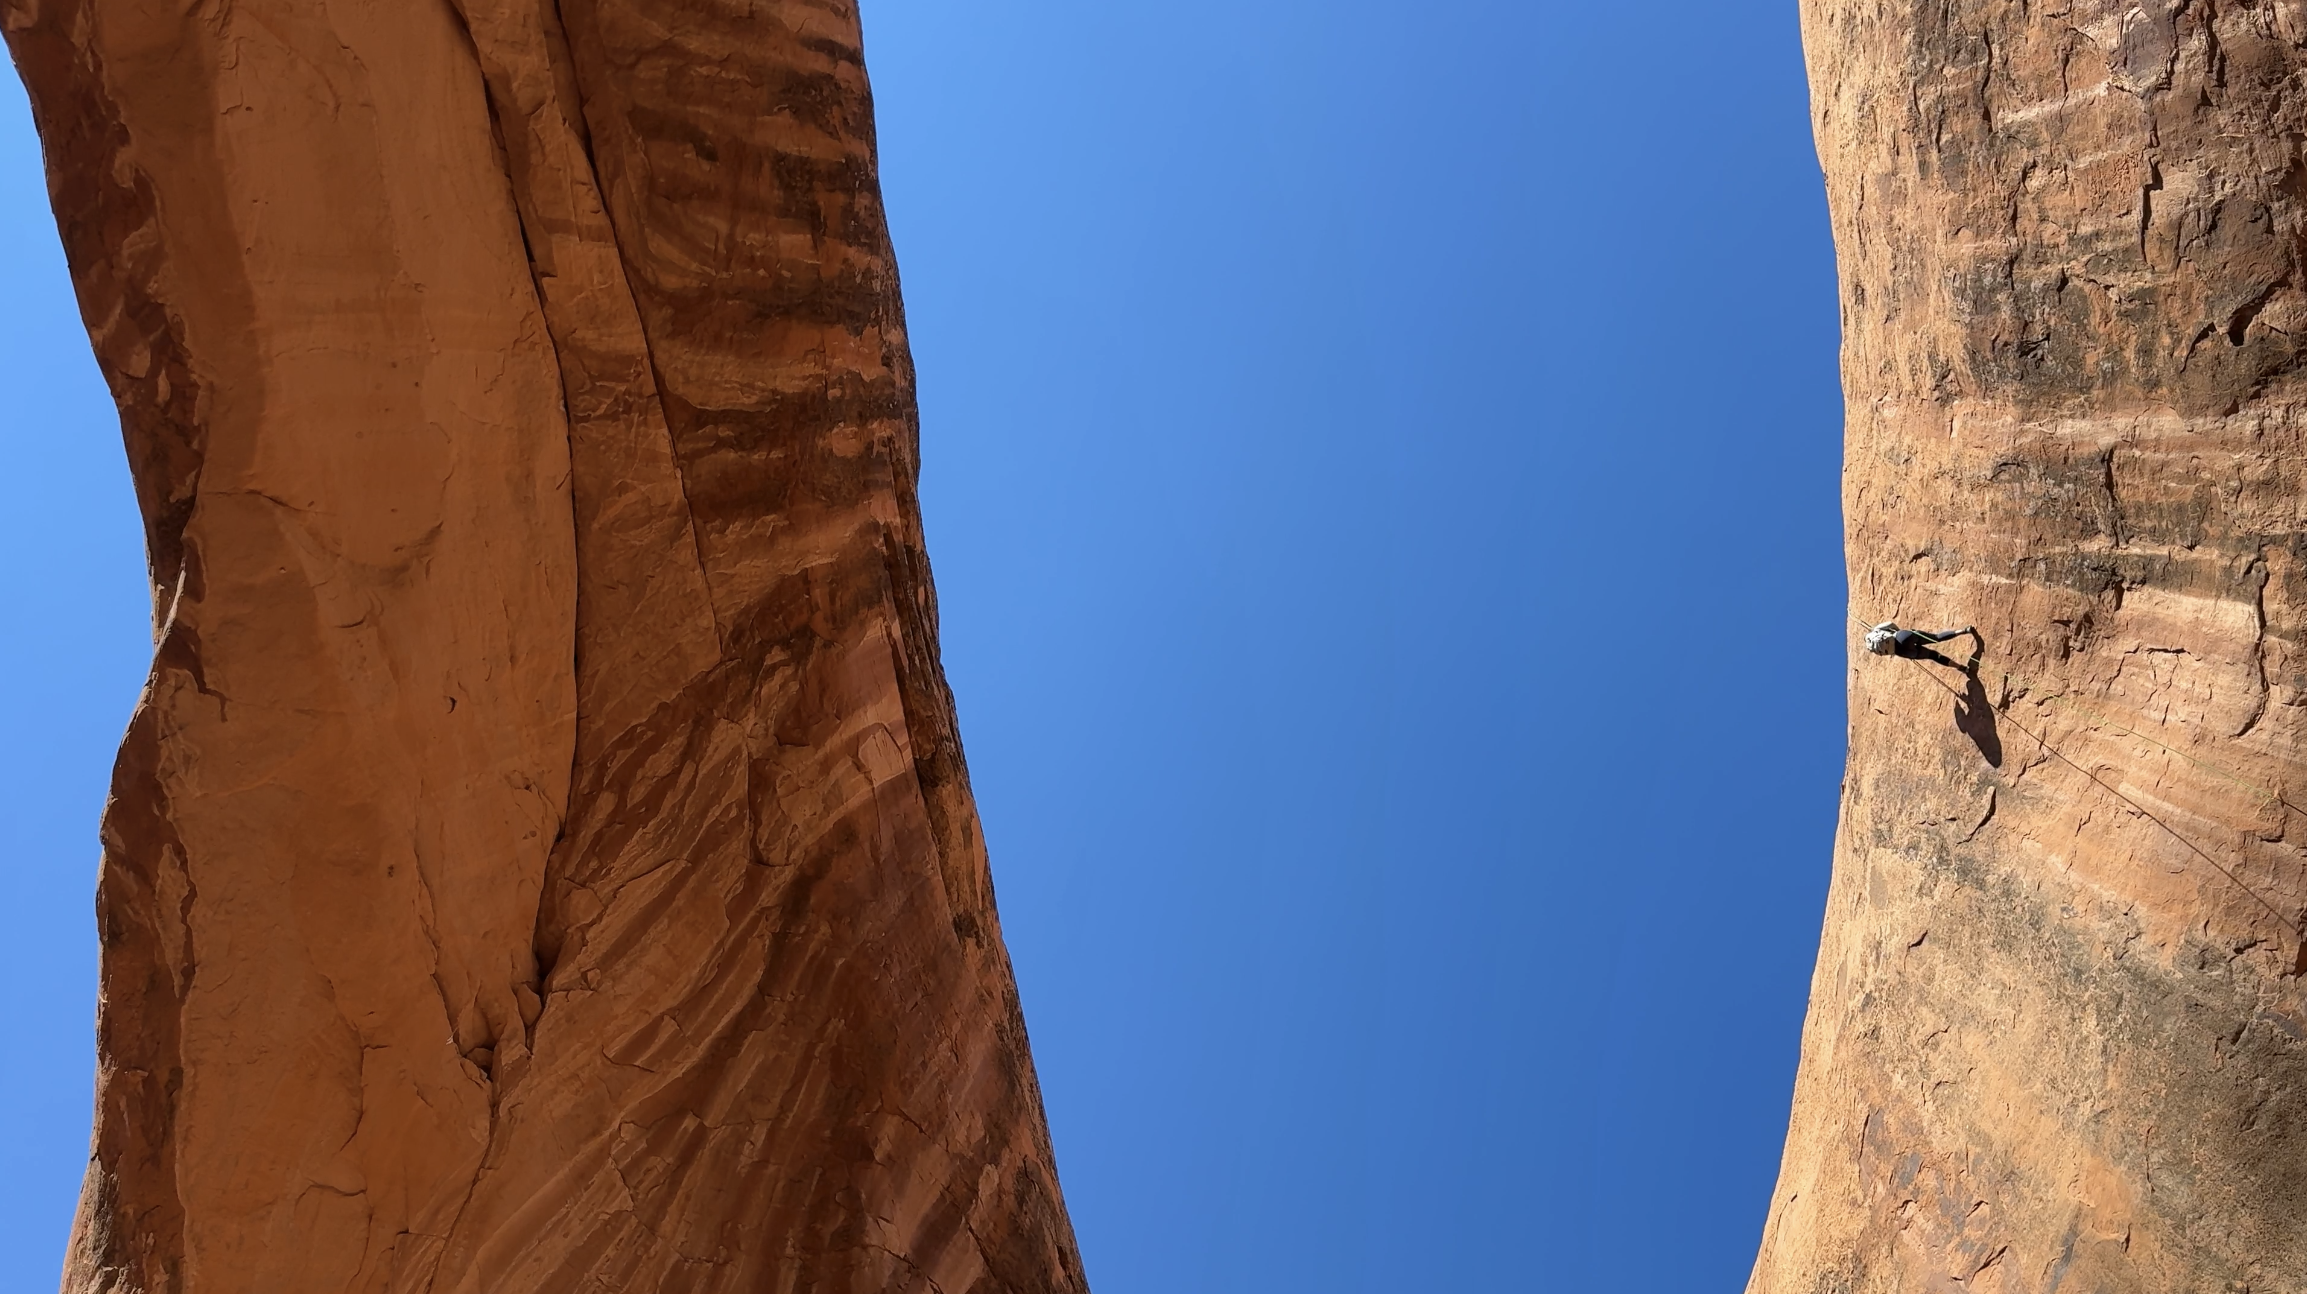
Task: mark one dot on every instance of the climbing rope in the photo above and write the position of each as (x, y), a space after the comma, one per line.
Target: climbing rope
(2270, 796)
(2062, 700)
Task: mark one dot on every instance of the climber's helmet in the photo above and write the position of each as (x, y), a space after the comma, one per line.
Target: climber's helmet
(1882, 640)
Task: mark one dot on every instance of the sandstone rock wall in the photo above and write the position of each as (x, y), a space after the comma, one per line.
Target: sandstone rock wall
(542, 859)
(2057, 1037)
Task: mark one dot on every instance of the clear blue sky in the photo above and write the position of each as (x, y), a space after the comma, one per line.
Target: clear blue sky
(1381, 465)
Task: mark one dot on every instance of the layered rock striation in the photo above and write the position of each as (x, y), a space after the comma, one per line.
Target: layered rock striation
(542, 859)
(2057, 1037)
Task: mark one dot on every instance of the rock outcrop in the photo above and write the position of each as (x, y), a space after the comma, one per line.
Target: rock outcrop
(542, 859)
(2058, 1037)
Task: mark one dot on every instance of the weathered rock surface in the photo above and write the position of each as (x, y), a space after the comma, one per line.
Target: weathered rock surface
(2057, 1037)
(542, 859)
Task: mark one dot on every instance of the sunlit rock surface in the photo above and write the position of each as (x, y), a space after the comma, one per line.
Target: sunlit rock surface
(2057, 1038)
(543, 858)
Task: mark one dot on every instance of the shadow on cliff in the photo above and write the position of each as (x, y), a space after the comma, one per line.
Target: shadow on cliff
(1974, 710)
(1975, 715)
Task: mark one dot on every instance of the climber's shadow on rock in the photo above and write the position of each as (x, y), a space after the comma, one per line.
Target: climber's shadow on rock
(1975, 715)
(1974, 709)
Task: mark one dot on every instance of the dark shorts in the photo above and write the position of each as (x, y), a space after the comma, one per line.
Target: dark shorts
(1915, 644)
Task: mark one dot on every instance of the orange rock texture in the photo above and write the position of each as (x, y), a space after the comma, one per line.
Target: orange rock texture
(542, 859)
(2057, 1036)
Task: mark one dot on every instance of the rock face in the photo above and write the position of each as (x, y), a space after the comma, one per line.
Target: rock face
(542, 859)
(2057, 1037)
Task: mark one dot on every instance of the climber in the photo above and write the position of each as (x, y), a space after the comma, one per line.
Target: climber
(1887, 639)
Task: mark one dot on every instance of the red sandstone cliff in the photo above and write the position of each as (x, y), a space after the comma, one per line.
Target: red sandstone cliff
(542, 859)
(2058, 1035)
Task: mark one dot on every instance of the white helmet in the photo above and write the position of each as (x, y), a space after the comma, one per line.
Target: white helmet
(1882, 639)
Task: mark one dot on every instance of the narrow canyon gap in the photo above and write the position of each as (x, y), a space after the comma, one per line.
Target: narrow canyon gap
(542, 858)
(2057, 1036)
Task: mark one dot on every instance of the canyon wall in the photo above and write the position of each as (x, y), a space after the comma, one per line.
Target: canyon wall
(542, 858)
(2057, 1037)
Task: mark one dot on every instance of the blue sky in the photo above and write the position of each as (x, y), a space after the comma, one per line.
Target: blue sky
(1381, 464)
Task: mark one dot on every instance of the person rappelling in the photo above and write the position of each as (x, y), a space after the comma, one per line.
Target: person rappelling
(1887, 639)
